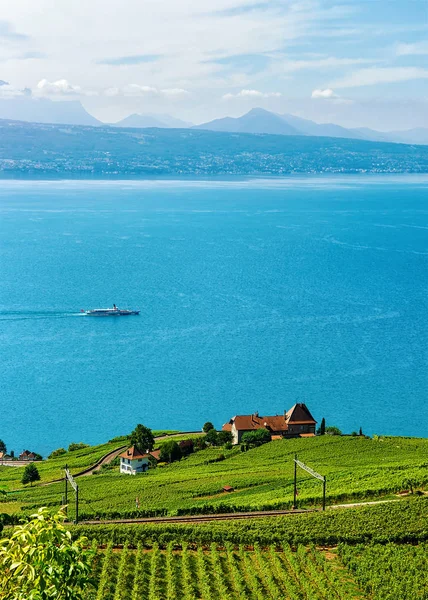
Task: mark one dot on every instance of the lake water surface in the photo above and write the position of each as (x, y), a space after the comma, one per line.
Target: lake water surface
(254, 295)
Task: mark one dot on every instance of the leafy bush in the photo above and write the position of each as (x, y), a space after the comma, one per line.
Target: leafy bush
(224, 437)
(58, 452)
(207, 427)
(257, 437)
(170, 451)
(77, 446)
(41, 561)
(332, 430)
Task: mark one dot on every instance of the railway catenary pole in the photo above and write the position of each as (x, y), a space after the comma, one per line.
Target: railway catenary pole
(66, 488)
(69, 477)
(298, 463)
(295, 483)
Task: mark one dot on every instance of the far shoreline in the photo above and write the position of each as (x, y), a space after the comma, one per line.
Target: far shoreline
(254, 180)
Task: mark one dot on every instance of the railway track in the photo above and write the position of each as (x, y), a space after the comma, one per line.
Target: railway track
(200, 518)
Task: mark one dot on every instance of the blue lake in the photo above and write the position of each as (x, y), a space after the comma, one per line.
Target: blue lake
(254, 295)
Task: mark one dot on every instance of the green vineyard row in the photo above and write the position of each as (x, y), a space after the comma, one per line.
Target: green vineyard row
(397, 521)
(220, 574)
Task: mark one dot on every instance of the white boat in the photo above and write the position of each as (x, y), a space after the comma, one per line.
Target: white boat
(110, 312)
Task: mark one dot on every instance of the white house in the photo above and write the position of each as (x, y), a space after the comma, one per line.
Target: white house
(132, 461)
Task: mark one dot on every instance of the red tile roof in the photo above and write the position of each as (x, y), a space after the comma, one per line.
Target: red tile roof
(155, 454)
(132, 453)
(297, 415)
(250, 422)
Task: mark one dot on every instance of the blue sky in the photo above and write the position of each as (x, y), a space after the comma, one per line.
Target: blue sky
(354, 62)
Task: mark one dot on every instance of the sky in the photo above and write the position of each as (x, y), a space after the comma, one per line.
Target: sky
(352, 62)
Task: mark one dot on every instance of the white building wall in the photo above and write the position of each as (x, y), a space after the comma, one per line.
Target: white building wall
(235, 435)
(132, 467)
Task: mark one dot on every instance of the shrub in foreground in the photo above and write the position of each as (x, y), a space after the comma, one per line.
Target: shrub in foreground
(41, 561)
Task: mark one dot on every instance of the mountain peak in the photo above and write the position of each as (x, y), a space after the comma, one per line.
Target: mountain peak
(257, 120)
(44, 110)
(139, 120)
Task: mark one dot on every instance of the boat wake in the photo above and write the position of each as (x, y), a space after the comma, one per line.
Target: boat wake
(21, 315)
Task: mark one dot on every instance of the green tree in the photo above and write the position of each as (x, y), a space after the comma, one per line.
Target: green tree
(207, 427)
(30, 474)
(40, 561)
(170, 451)
(77, 446)
(332, 430)
(199, 443)
(142, 438)
(321, 428)
(212, 437)
(257, 437)
(224, 437)
(57, 452)
(3, 447)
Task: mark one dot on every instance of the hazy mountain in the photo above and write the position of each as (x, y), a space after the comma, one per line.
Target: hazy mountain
(418, 135)
(29, 150)
(257, 120)
(372, 135)
(307, 127)
(163, 121)
(173, 121)
(43, 110)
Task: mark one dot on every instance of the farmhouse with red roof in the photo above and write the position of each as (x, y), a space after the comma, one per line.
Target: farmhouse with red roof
(296, 422)
(132, 461)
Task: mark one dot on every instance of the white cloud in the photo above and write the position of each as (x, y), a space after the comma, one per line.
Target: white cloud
(323, 94)
(136, 90)
(62, 87)
(412, 49)
(379, 75)
(252, 94)
(174, 92)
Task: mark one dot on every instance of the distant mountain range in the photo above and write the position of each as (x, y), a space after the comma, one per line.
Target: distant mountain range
(257, 120)
(37, 150)
(162, 121)
(43, 110)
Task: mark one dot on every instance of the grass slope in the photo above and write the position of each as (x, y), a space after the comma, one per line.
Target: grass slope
(355, 467)
(78, 460)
